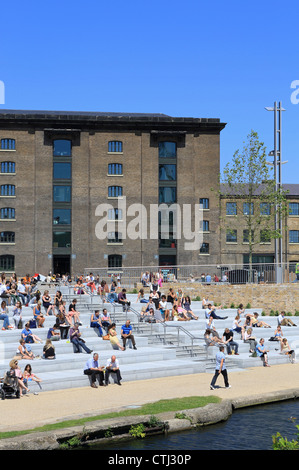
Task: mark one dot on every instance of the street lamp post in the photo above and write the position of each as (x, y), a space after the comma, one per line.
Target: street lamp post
(278, 185)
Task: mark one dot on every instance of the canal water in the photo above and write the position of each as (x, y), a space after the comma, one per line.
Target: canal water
(247, 429)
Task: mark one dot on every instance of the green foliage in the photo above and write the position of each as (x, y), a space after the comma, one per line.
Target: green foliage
(137, 431)
(281, 443)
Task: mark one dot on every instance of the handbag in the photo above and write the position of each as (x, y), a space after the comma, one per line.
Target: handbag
(32, 323)
(105, 337)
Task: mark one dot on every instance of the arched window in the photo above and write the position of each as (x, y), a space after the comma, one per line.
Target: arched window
(115, 146)
(7, 213)
(115, 191)
(114, 261)
(167, 150)
(8, 190)
(8, 144)
(7, 263)
(8, 167)
(115, 169)
(62, 148)
(7, 237)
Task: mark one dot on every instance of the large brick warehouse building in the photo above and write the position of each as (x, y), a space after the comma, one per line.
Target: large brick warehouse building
(58, 167)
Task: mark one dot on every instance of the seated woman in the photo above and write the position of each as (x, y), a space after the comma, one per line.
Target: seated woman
(28, 336)
(248, 338)
(64, 315)
(163, 308)
(105, 319)
(148, 316)
(262, 352)
(258, 323)
(54, 332)
(63, 325)
(4, 316)
(22, 352)
(113, 337)
(58, 299)
(211, 339)
(112, 295)
(17, 315)
(181, 311)
(73, 312)
(141, 297)
(48, 350)
(237, 326)
(14, 366)
(278, 334)
(37, 314)
(285, 349)
(28, 375)
(47, 303)
(186, 303)
(178, 315)
(79, 288)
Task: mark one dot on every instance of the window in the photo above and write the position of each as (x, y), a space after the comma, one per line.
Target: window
(115, 146)
(294, 236)
(61, 193)
(167, 150)
(115, 191)
(115, 237)
(8, 167)
(61, 239)
(265, 208)
(62, 148)
(115, 169)
(7, 213)
(115, 214)
(114, 261)
(167, 195)
(8, 144)
(294, 208)
(204, 202)
(62, 170)
(205, 226)
(265, 236)
(231, 208)
(7, 263)
(231, 236)
(246, 236)
(61, 216)
(7, 237)
(248, 208)
(167, 172)
(7, 190)
(204, 249)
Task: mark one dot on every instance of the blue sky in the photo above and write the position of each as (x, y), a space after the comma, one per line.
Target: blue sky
(194, 58)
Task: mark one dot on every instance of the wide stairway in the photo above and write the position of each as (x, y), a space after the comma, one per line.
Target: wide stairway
(163, 349)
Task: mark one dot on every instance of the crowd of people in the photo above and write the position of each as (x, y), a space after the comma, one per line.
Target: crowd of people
(157, 306)
(244, 324)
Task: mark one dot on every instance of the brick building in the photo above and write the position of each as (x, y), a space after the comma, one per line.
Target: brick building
(58, 167)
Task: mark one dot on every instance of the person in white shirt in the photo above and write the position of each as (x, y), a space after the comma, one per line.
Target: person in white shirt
(112, 366)
(283, 321)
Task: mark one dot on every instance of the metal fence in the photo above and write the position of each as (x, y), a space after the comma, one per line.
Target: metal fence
(258, 273)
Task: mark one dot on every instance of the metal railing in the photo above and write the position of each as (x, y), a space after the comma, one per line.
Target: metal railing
(257, 273)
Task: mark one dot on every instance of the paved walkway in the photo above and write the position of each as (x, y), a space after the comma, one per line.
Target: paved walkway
(49, 407)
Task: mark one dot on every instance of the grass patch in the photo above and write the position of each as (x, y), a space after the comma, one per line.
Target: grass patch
(161, 406)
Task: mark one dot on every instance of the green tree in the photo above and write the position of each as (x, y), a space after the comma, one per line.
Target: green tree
(248, 183)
